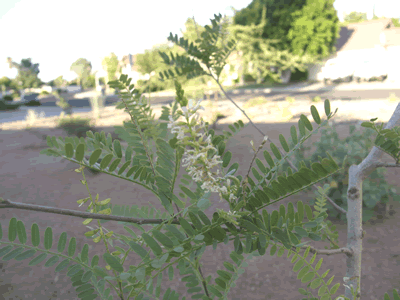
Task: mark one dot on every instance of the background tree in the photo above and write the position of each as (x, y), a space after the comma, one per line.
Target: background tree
(27, 76)
(82, 67)
(111, 66)
(355, 17)
(301, 27)
(60, 82)
(150, 60)
(5, 81)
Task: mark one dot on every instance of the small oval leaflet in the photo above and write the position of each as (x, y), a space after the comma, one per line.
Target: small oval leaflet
(95, 156)
(80, 152)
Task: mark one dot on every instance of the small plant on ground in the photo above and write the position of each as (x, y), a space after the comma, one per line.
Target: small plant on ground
(61, 102)
(8, 98)
(260, 100)
(316, 99)
(32, 117)
(290, 99)
(75, 125)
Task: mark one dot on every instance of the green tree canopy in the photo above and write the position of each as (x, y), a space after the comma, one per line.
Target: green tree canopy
(59, 81)
(5, 81)
(82, 67)
(110, 65)
(355, 17)
(27, 76)
(301, 26)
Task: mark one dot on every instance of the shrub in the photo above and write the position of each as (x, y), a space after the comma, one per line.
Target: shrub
(8, 98)
(33, 103)
(356, 146)
(298, 75)
(316, 99)
(44, 93)
(76, 126)
(32, 117)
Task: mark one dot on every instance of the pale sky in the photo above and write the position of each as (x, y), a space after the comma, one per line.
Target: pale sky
(55, 33)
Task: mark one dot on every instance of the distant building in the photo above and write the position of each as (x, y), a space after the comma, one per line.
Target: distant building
(129, 68)
(376, 40)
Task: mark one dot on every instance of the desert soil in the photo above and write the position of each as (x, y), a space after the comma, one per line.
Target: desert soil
(28, 177)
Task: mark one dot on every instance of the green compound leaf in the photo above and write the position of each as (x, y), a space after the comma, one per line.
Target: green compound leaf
(87, 276)
(315, 115)
(95, 156)
(95, 261)
(226, 159)
(13, 254)
(113, 262)
(139, 250)
(293, 134)
(35, 236)
(21, 232)
(69, 150)
(52, 261)
(117, 148)
(269, 159)
(62, 265)
(73, 270)
(38, 259)
(105, 161)
(334, 288)
(283, 142)
(12, 229)
(114, 165)
(124, 166)
(48, 238)
(80, 152)
(25, 255)
(152, 244)
(275, 150)
(302, 129)
(62, 242)
(316, 283)
(5, 250)
(163, 239)
(85, 253)
(188, 192)
(71, 247)
(327, 106)
(308, 277)
(306, 122)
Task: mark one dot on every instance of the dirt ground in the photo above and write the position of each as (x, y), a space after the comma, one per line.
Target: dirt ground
(28, 177)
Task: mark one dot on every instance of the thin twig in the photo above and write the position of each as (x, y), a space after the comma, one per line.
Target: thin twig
(80, 214)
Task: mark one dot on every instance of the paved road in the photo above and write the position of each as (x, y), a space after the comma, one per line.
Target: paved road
(300, 95)
(83, 105)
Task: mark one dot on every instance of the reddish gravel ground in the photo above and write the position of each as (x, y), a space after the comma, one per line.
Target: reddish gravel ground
(28, 177)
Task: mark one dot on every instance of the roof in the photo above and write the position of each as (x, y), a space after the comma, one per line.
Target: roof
(366, 35)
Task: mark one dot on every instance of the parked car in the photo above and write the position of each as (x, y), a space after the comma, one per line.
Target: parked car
(369, 70)
(337, 70)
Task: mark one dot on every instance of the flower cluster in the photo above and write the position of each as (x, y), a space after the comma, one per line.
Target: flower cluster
(198, 161)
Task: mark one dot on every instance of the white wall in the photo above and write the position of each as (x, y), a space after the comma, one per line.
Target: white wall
(352, 58)
(393, 56)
